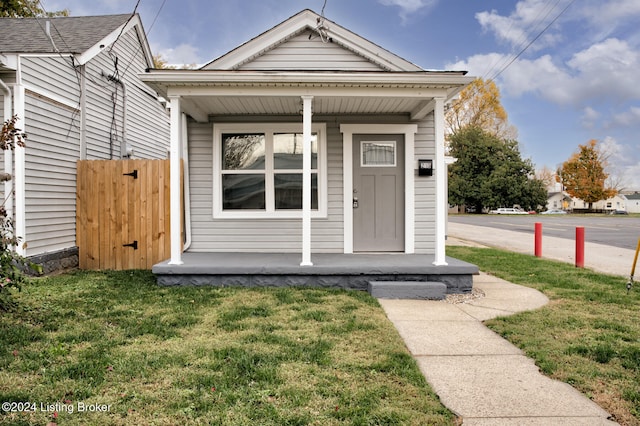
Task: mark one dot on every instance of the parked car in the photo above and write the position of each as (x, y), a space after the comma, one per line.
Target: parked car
(619, 212)
(507, 210)
(554, 211)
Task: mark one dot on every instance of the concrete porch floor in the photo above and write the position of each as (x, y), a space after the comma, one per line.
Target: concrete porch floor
(349, 271)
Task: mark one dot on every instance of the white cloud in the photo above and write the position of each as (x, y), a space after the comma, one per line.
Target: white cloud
(604, 71)
(528, 19)
(589, 117)
(627, 118)
(408, 7)
(183, 54)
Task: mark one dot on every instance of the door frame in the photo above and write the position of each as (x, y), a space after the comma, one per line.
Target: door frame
(409, 131)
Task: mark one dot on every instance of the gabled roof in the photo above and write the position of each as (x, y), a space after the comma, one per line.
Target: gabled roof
(304, 21)
(77, 35)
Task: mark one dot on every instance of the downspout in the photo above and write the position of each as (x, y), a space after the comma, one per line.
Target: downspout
(20, 164)
(187, 196)
(8, 154)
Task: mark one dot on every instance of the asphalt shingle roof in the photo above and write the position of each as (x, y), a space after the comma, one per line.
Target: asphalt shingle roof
(79, 33)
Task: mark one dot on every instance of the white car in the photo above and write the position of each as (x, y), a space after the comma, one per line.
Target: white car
(554, 211)
(507, 210)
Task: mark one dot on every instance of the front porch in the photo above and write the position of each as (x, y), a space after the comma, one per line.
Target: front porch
(347, 271)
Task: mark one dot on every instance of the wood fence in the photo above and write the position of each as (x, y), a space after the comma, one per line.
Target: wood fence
(122, 213)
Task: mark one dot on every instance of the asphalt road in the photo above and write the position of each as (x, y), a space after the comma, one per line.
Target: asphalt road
(617, 231)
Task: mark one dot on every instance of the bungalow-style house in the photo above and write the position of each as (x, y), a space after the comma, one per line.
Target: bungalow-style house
(313, 156)
(73, 84)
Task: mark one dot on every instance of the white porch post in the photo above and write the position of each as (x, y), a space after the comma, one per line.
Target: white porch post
(174, 176)
(306, 181)
(441, 184)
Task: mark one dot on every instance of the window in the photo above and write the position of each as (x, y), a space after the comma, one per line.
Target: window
(258, 170)
(378, 154)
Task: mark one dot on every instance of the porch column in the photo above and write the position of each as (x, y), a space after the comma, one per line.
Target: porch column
(306, 181)
(441, 184)
(174, 185)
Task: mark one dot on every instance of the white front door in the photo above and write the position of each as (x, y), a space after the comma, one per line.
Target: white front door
(378, 193)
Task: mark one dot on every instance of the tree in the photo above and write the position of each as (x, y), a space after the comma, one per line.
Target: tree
(489, 172)
(479, 106)
(583, 175)
(26, 9)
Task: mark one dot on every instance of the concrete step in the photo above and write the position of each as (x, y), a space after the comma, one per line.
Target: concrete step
(407, 290)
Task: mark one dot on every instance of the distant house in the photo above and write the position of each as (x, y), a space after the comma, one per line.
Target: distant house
(632, 202)
(72, 82)
(558, 200)
(617, 202)
(308, 111)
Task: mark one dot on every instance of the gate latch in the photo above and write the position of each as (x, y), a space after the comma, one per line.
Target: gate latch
(133, 244)
(133, 174)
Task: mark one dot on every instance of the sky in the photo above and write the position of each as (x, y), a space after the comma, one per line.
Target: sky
(567, 70)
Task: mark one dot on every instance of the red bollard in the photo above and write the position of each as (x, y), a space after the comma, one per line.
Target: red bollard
(538, 239)
(579, 246)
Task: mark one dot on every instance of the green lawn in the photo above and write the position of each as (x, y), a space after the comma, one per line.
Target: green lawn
(588, 335)
(191, 356)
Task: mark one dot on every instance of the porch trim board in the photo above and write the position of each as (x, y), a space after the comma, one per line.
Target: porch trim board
(409, 131)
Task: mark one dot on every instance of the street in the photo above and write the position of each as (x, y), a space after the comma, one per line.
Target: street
(617, 231)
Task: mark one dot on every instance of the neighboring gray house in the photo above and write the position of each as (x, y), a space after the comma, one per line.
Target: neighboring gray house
(73, 82)
(309, 111)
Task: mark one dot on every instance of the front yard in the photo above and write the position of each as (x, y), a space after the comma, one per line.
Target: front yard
(115, 349)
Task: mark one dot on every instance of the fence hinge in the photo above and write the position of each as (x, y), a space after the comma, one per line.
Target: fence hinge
(134, 244)
(133, 174)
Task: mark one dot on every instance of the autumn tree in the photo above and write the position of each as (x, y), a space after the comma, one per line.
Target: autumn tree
(479, 106)
(489, 172)
(26, 9)
(583, 175)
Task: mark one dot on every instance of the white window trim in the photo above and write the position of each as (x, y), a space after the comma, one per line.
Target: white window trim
(268, 128)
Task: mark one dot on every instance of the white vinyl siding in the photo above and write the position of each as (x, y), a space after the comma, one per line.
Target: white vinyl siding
(51, 154)
(147, 121)
(52, 75)
(302, 53)
(268, 235)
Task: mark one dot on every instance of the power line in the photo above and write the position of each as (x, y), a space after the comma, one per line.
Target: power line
(533, 41)
(146, 35)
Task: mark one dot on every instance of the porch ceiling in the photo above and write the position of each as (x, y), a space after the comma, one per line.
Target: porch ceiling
(292, 105)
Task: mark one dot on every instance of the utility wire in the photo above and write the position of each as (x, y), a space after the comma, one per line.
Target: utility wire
(533, 40)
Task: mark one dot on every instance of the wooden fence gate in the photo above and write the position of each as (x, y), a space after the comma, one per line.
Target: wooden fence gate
(122, 213)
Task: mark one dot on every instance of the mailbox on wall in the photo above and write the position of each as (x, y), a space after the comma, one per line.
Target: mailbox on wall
(425, 167)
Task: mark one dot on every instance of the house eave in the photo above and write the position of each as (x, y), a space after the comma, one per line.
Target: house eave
(162, 80)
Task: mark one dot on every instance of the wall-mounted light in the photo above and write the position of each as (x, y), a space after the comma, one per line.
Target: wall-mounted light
(425, 167)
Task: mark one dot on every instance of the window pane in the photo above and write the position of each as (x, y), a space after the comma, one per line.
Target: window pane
(287, 150)
(289, 191)
(243, 192)
(243, 151)
(378, 154)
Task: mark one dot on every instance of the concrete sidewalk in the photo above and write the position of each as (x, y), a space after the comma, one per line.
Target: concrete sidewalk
(599, 257)
(476, 373)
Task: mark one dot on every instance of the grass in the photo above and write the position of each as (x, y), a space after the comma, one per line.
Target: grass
(587, 336)
(195, 356)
